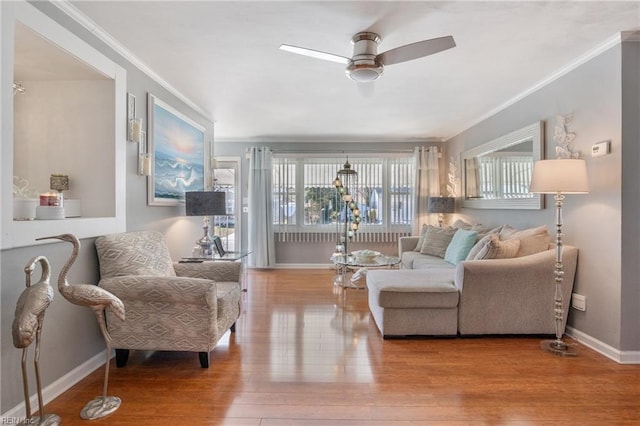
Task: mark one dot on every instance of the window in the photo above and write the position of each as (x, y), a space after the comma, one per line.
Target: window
(306, 201)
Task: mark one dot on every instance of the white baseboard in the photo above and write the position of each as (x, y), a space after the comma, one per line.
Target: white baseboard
(58, 387)
(621, 357)
(305, 266)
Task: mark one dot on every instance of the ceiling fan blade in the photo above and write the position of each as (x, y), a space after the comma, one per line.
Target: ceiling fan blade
(366, 90)
(416, 50)
(315, 54)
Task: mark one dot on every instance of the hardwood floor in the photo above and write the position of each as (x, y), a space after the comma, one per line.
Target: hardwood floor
(306, 354)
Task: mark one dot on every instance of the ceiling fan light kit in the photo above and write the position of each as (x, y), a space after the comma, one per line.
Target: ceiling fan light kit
(367, 65)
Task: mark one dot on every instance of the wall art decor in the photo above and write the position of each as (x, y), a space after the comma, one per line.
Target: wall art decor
(178, 152)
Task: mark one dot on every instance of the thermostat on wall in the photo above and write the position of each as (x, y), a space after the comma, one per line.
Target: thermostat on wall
(601, 148)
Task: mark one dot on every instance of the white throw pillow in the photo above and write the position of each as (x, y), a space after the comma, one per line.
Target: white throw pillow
(494, 248)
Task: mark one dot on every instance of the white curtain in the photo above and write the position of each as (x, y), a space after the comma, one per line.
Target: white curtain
(261, 241)
(427, 184)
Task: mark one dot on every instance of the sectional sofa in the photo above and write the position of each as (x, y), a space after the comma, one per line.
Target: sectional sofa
(507, 292)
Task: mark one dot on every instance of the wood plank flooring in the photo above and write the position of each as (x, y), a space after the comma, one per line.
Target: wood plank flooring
(307, 354)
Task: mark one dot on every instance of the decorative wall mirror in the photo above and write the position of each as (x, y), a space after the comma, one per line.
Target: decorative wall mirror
(497, 174)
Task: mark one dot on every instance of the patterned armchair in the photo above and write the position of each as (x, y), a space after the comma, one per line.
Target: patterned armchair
(169, 306)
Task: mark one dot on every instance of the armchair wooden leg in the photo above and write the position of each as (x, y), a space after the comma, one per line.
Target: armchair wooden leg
(233, 327)
(204, 359)
(122, 356)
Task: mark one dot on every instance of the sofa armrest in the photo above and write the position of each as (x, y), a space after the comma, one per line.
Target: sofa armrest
(407, 244)
(504, 296)
(210, 270)
(151, 289)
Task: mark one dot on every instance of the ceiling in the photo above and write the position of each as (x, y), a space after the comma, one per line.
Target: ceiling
(224, 58)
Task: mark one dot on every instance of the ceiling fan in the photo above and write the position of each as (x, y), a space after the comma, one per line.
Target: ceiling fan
(367, 65)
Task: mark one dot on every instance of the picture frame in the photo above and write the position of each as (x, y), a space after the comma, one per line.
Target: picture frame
(176, 145)
(219, 248)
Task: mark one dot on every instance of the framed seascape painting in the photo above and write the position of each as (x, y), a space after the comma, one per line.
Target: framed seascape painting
(177, 146)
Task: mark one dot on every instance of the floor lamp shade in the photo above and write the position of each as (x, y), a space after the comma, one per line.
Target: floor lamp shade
(568, 176)
(205, 203)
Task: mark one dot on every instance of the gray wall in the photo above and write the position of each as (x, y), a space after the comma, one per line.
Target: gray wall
(630, 291)
(71, 336)
(595, 223)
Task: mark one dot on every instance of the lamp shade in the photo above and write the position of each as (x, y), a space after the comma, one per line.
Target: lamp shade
(205, 203)
(441, 205)
(568, 176)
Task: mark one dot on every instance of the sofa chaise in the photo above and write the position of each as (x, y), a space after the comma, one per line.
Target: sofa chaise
(511, 295)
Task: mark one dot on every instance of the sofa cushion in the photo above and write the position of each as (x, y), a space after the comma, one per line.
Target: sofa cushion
(436, 240)
(495, 248)
(413, 289)
(460, 244)
(533, 240)
(430, 263)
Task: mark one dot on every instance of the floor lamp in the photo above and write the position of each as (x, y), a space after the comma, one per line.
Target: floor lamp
(559, 177)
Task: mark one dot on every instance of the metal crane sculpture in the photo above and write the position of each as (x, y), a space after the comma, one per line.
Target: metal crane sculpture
(98, 299)
(27, 326)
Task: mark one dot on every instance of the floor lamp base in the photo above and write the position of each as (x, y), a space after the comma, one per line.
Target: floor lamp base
(100, 407)
(558, 347)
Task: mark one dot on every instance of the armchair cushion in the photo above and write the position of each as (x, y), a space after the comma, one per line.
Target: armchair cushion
(162, 289)
(217, 271)
(134, 253)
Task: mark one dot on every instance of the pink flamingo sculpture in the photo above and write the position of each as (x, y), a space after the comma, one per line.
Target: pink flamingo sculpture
(27, 326)
(98, 299)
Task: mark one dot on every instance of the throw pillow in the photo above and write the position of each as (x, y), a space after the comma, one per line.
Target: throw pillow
(436, 240)
(477, 247)
(461, 224)
(460, 245)
(421, 238)
(533, 240)
(497, 249)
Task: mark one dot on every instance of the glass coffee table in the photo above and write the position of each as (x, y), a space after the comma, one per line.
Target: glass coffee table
(346, 265)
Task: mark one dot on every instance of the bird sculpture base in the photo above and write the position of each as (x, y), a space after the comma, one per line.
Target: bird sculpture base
(100, 407)
(46, 420)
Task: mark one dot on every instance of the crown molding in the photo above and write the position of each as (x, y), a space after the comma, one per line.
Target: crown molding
(599, 49)
(114, 44)
(315, 139)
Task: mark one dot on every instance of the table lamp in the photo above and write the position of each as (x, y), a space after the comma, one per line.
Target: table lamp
(205, 204)
(441, 205)
(559, 177)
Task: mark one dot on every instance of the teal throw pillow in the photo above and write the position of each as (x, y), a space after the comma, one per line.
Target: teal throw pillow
(460, 245)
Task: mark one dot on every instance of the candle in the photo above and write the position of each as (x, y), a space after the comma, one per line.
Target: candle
(136, 129)
(51, 199)
(146, 165)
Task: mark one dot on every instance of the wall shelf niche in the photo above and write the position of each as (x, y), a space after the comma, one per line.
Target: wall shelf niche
(70, 120)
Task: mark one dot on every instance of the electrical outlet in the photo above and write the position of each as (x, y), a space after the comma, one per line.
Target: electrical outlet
(579, 302)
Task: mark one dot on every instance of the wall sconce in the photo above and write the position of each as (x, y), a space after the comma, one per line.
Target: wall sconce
(134, 125)
(136, 134)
